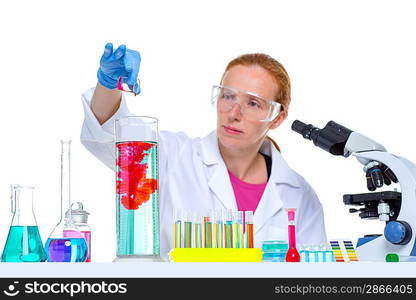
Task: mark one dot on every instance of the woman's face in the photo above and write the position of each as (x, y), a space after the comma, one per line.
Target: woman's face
(233, 129)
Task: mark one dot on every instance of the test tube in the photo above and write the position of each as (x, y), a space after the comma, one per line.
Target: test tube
(313, 255)
(214, 231)
(228, 229)
(187, 239)
(303, 252)
(218, 229)
(208, 229)
(177, 228)
(241, 229)
(320, 253)
(329, 255)
(249, 233)
(197, 231)
(238, 230)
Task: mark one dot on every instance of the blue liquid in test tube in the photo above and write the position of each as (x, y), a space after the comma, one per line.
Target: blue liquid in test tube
(304, 254)
(320, 252)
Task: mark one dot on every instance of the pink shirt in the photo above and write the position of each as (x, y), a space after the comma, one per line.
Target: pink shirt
(248, 195)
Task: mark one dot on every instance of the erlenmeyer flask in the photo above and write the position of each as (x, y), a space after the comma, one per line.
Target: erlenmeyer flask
(23, 242)
(66, 243)
(137, 188)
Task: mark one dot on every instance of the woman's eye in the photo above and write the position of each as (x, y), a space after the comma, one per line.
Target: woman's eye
(254, 103)
(228, 96)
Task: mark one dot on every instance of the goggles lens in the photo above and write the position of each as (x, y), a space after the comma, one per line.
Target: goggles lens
(253, 107)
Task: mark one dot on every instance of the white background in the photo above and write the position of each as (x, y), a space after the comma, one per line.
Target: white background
(349, 61)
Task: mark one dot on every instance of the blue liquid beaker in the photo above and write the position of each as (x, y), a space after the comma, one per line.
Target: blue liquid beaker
(137, 197)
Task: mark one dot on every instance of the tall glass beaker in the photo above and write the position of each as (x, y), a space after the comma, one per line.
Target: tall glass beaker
(137, 179)
(23, 242)
(66, 243)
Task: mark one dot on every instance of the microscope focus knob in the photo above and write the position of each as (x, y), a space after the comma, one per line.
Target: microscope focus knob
(398, 232)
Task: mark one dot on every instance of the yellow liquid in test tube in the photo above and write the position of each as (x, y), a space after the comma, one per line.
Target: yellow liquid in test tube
(240, 236)
(235, 236)
(214, 236)
(198, 236)
(220, 236)
(177, 234)
(238, 230)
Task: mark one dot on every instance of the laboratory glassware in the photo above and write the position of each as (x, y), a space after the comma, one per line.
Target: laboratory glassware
(228, 229)
(23, 242)
(197, 240)
(122, 85)
(137, 196)
(249, 230)
(208, 229)
(238, 229)
(218, 229)
(329, 255)
(80, 219)
(292, 254)
(66, 242)
(304, 253)
(177, 228)
(274, 251)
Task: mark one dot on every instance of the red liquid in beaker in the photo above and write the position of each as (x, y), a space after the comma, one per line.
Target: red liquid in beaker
(133, 187)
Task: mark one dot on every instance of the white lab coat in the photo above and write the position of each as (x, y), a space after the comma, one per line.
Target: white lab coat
(193, 176)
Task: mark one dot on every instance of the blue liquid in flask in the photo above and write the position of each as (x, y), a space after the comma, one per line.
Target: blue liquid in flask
(23, 245)
(66, 250)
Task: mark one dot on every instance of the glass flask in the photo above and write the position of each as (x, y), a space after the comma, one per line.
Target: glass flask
(137, 197)
(80, 218)
(292, 254)
(66, 242)
(23, 242)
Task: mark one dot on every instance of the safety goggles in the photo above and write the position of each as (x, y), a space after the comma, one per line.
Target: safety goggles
(123, 86)
(252, 106)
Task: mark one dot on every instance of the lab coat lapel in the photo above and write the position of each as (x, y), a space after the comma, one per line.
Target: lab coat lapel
(218, 178)
(281, 174)
(269, 204)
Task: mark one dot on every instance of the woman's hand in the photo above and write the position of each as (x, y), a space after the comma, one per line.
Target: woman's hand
(121, 62)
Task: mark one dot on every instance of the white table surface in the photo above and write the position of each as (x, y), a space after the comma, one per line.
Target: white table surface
(238, 270)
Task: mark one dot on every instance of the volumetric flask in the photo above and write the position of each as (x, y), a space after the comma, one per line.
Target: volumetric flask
(137, 179)
(66, 243)
(23, 242)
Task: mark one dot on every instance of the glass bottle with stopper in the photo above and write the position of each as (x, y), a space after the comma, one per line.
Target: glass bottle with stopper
(80, 219)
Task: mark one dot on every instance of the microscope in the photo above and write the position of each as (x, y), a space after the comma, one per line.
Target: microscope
(396, 209)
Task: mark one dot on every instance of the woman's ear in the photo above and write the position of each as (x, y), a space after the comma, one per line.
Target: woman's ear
(278, 120)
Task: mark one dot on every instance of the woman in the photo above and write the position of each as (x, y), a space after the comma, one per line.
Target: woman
(235, 167)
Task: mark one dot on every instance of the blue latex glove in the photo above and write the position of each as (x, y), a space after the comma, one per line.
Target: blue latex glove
(122, 62)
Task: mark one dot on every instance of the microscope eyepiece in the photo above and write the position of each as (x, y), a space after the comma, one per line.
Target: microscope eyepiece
(303, 129)
(298, 126)
(332, 138)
